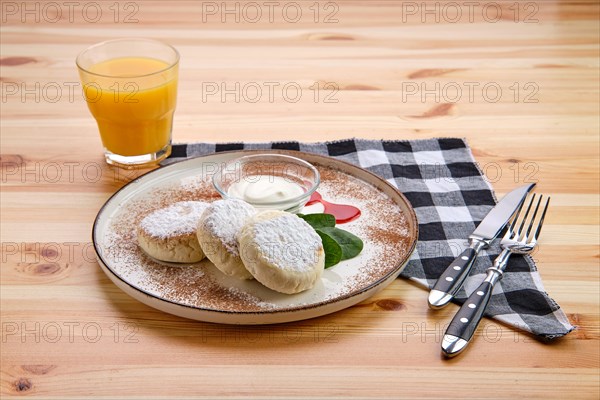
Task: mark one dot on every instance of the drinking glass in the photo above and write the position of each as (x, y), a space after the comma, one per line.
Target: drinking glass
(130, 86)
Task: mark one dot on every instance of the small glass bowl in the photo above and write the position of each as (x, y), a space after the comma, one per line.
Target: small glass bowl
(290, 168)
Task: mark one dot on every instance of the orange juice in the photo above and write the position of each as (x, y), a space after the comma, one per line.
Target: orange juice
(133, 101)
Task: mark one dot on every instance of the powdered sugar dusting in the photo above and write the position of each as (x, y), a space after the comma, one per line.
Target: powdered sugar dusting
(180, 218)
(196, 284)
(383, 228)
(225, 218)
(288, 242)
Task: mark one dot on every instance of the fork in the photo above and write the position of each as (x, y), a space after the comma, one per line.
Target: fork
(521, 240)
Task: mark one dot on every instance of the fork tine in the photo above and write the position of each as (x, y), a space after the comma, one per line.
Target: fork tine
(525, 237)
(517, 233)
(541, 222)
(513, 222)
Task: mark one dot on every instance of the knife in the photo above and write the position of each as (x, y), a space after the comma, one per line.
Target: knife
(450, 282)
(521, 238)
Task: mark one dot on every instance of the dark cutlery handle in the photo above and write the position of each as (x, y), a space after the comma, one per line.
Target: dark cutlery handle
(451, 280)
(465, 322)
(467, 318)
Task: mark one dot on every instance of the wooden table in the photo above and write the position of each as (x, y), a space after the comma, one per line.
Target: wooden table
(528, 105)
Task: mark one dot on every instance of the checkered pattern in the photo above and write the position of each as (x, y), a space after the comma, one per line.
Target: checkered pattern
(450, 196)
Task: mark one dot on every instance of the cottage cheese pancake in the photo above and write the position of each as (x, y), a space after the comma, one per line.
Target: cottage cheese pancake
(282, 251)
(217, 233)
(169, 234)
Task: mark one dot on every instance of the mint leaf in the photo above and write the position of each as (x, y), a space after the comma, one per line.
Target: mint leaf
(338, 244)
(318, 221)
(333, 251)
(350, 244)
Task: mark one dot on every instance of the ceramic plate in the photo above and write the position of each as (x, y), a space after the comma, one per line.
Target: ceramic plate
(387, 226)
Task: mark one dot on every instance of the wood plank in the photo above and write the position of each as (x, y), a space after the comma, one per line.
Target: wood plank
(68, 332)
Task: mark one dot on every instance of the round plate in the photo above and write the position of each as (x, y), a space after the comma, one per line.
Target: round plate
(387, 226)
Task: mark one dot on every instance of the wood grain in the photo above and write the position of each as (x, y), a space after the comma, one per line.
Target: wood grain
(68, 332)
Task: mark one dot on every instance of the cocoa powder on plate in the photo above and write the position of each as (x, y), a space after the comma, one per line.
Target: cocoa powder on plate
(382, 226)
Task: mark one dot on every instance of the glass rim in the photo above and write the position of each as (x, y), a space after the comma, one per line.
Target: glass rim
(92, 47)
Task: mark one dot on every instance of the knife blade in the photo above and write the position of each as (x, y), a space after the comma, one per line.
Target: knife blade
(451, 280)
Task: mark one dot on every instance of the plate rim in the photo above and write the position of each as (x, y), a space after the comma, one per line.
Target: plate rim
(268, 312)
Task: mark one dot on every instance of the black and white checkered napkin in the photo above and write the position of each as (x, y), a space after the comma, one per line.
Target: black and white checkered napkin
(450, 197)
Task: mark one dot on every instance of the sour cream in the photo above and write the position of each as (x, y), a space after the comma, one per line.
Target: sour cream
(261, 189)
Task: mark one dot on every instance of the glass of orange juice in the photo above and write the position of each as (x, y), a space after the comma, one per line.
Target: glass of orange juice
(130, 86)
